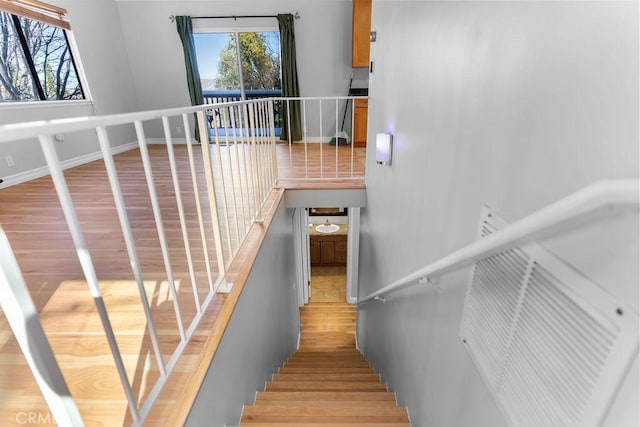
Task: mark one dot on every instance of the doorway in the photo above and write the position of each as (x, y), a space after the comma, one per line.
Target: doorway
(328, 231)
(327, 254)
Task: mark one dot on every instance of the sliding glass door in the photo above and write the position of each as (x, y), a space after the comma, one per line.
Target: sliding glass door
(239, 65)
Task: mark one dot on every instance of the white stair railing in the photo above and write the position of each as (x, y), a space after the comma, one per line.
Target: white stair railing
(323, 120)
(240, 170)
(230, 178)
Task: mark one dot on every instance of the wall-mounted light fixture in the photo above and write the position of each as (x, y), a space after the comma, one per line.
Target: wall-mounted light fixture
(384, 148)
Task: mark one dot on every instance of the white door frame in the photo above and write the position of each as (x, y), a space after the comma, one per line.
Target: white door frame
(353, 254)
(302, 258)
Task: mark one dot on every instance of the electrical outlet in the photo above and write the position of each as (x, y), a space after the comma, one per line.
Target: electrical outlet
(9, 160)
(59, 137)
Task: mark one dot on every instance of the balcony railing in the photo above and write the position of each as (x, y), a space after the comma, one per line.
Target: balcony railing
(204, 202)
(233, 95)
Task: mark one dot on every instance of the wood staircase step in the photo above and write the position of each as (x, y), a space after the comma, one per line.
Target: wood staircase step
(327, 382)
(325, 411)
(325, 370)
(325, 377)
(264, 396)
(328, 364)
(326, 414)
(325, 386)
(368, 403)
(333, 424)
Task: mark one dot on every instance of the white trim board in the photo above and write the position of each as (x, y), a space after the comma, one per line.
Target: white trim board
(25, 176)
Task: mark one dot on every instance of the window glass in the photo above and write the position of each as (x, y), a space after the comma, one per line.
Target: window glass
(218, 60)
(41, 68)
(16, 83)
(260, 53)
(52, 59)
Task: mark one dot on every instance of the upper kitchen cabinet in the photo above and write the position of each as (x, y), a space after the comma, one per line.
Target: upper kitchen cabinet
(361, 30)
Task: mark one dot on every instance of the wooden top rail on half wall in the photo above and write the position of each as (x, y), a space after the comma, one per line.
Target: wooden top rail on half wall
(600, 200)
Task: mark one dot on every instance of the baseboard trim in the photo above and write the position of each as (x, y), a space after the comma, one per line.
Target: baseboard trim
(29, 175)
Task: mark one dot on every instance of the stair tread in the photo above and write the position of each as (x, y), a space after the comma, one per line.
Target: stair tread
(330, 369)
(326, 364)
(354, 402)
(332, 420)
(323, 385)
(325, 411)
(325, 395)
(325, 377)
(322, 424)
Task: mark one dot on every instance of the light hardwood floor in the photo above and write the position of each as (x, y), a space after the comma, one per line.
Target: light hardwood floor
(32, 218)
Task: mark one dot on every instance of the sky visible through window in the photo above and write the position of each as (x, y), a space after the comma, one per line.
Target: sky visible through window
(208, 48)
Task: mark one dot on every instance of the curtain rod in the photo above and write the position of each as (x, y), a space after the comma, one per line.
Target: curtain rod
(172, 18)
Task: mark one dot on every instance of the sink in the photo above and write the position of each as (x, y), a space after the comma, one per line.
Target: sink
(327, 228)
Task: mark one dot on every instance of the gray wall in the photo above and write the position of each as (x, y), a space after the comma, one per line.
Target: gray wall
(96, 28)
(133, 61)
(512, 104)
(323, 46)
(262, 332)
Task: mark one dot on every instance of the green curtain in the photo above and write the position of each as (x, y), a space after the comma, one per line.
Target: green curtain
(185, 30)
(289, 78)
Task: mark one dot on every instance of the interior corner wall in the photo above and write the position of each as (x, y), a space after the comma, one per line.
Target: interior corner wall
(261, 334)
(96, 29)
(510, 104)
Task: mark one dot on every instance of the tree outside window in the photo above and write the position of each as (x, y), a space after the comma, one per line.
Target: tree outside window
(36, 63)
(260, 62)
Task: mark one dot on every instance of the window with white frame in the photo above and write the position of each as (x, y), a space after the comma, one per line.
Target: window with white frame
(36, 59)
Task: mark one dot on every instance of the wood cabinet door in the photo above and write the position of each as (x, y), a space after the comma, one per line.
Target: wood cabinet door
(327, 252)
(360, 127)
(360, 33)
(314, 252)
(341, 251)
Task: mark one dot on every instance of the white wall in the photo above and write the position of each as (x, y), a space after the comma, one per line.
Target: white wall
(262, 332)
(512, 104)
(133, 61)
(96, 29)
(323, 45)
